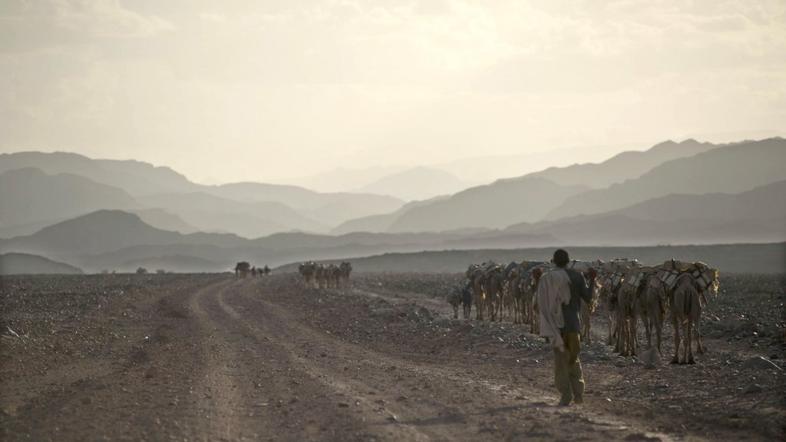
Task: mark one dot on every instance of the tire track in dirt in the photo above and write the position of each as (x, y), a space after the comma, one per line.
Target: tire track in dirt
(219, 398)
(251, 388)
(430, 402)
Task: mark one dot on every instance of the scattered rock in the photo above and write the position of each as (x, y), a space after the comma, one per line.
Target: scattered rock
(644, 437)
(753, 388)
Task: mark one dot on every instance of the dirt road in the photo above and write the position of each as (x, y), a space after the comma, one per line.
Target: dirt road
(219, 358)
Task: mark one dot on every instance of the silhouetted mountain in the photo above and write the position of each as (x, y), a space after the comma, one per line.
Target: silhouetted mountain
(379, 223)
(418, 183)
(211, 213)
(487, 168)
(327, 209)
(763, 203)
(758, 215)
(164, 220)
(135, 177)
(104, 231)
(26, 264)
(29, 196)
(491, 206)
(318, 210)
(729, 169)
(342, 179)
(526, 198)
(116, 240)
(623, 166)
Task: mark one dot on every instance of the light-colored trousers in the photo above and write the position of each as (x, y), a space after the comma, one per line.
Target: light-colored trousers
(567, 369)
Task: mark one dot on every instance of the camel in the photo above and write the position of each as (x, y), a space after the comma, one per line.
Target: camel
(475, 276)
(513, 277)
(242, 268)
(454, 299)
(587, 310)
(685, 311)
(466, 300)
(333, 276)
(530, 299)
(320, 275)
(612, 275)
(652, 306)
(609, 284)
(345, 270)
(493, 283)
(628, 309)
(309, 270)
(706, 279)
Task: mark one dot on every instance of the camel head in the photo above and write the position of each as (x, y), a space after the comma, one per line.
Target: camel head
(706, 278)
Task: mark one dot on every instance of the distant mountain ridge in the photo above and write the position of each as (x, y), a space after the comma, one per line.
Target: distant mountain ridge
(623, 166)
(26, 264)
(731, 168)
(728, 193)
(415, 184)
(758, 215)
(527, 198)
(135, 177)
(109, 239)
(29, 195)
(315, 211)
(490, 206)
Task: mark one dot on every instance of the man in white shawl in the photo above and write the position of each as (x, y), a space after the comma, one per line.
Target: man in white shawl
(559, 296)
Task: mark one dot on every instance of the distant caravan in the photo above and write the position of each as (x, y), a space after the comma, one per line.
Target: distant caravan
(242, 269)
(325, 276)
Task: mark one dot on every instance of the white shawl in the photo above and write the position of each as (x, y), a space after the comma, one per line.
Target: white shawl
(553, 291)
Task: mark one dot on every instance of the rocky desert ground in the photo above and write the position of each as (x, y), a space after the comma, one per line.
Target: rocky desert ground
(215, 357)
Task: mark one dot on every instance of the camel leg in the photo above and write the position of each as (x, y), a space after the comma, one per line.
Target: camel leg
(676, 358)
(688, 346)
(622, 335)
(618, 332)
(658, 331)
(633, 338)
(699, 346)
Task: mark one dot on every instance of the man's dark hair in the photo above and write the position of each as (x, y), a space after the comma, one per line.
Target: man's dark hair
(561, 258)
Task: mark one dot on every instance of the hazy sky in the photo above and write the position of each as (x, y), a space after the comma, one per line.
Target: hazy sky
(249, 89)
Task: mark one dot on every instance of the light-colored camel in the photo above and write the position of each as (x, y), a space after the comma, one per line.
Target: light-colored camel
(628, 309)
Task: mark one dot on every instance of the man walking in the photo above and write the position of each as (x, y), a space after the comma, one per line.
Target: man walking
(560, 293)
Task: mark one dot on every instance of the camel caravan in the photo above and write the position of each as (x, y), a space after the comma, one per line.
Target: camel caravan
(325, 276)
(243, 269)
(628, 291)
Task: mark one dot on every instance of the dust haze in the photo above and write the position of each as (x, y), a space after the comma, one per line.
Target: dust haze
(389, 220)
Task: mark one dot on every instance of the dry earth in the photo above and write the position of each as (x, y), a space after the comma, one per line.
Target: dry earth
(211, 357)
